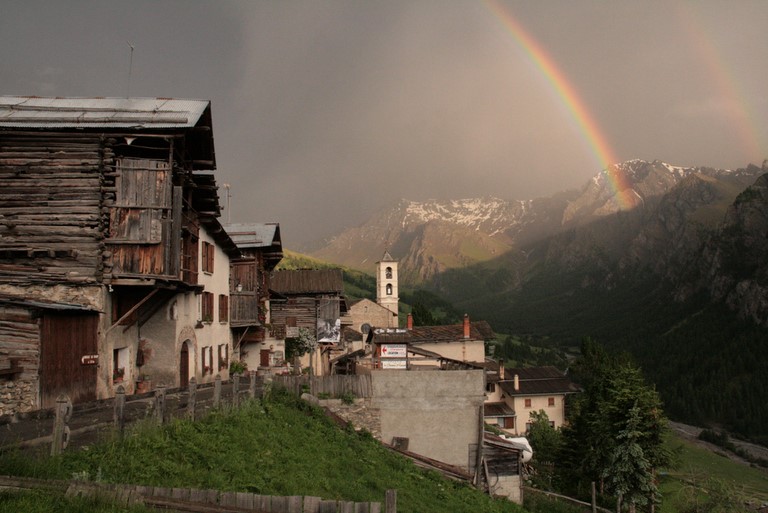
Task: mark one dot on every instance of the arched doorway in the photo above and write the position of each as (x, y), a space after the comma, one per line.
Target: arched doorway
(184, 365)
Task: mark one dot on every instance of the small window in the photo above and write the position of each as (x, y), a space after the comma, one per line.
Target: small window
(207, 360)
(223, 357)
(206, 309)
(223, 308)
(389, 289)
(527, 403)
(208, 251)
(551, 401)
(388, 273)
(490, 387)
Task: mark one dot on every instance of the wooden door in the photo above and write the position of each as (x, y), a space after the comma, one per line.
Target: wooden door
(184, 365)
(264, 358)
(64, 340)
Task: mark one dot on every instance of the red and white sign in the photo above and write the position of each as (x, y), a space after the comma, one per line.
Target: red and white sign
(394, 350)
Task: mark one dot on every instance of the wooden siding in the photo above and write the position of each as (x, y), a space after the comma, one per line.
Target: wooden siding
(304, 310)
(141, 218)
(20, 339)
(244, 303)
(65, 339)
(52, 190)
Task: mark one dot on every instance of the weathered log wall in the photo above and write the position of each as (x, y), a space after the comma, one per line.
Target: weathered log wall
(53, 190)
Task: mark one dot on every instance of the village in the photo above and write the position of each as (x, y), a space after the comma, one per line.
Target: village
(117, 273)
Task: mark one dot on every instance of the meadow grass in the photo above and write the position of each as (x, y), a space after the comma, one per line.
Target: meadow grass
(281, 446)
(697, 466)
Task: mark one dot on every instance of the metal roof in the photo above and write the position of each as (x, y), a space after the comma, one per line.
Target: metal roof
(252, 235)
(42, 112)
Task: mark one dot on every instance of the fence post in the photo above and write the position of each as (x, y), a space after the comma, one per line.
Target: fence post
(119, 414)
(191, 403)
(235, 390)
(60, 428)
(252, 385)
(390, 501)
(594, 498)
(217, 391)
(160, 404)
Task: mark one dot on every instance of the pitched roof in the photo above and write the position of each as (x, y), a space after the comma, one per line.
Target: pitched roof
(264, 237)
(537, 381)
(41, 112)
(478, 330)
(254, 235)
(307, 281)
(497, 410)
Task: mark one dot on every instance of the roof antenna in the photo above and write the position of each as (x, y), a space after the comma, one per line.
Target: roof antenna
(130, 69)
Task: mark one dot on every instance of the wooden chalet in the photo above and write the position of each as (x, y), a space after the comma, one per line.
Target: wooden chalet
(258, 342)
(111, 255)
(311, 299)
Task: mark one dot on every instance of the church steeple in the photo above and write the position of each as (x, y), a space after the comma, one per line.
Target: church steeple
(386, 283)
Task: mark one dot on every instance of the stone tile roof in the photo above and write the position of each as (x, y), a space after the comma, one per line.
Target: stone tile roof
(537, 381)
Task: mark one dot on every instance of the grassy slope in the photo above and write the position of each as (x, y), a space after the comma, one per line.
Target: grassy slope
(280, 447)
(697, 464)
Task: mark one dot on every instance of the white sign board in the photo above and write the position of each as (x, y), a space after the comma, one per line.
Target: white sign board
(394, 350)
(393, 364)
(291, 332)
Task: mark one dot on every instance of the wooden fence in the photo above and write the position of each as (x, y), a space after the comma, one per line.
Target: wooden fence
(201, 501)
(335, 386)
(80, 424)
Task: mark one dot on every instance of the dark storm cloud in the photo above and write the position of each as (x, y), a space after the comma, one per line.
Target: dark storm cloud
(325, 111)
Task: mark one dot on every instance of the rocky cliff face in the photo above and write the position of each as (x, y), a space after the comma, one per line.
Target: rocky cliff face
(733, 265)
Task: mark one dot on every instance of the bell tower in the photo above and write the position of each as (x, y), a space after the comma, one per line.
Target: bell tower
(386, 284)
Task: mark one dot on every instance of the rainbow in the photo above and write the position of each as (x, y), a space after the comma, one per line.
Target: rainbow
(586, 123)
(724, 80)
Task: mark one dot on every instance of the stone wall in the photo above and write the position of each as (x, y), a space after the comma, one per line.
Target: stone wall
(17, 396)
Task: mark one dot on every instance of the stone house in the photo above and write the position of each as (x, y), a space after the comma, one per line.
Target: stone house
(114, 269)
(424, 347)
(512, 394)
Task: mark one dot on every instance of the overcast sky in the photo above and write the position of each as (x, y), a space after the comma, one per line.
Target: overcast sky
(325, 111)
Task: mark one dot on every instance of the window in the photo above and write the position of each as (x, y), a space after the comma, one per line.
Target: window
(208, 251)
(206, 308)
(551, 401)
(490, 387)
(388, 273)
(223, 308)
(207, 360)
(223, 356)
(389, 289)
(527, 403)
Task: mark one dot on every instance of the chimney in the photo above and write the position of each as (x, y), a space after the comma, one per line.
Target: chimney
(501, 370)
(409, 322)
(466, 325)
(517, 383)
